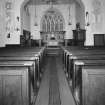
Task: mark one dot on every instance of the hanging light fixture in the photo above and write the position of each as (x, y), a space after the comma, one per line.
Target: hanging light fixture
(69, 20)
(35, 24)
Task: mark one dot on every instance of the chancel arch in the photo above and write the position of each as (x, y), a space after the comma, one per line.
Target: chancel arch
(52, 25)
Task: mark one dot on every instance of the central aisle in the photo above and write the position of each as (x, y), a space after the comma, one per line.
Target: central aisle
(54, 95)
(54, 89)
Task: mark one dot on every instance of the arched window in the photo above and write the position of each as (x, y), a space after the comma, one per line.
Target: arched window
(56, 25)
(52, 22)
(48, 25)
(61, 25)
(52, 26)
(44, 26)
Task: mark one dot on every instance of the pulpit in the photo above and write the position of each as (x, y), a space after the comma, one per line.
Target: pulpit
(79, 37)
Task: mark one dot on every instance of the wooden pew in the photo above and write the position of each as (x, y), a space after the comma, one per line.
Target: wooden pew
(39, 52)
(22, 54)
(79, 52)
(86, 72)
(92, 64)
(93, 87)
(16, 82)
(25, 52)
(36, 70)
(80, 83)
(68, 55)
(80, 57)
(19, 62)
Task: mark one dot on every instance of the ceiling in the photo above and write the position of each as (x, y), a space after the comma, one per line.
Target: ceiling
(42, 2)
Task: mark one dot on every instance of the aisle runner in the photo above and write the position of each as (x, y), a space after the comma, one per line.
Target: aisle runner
(54, 95)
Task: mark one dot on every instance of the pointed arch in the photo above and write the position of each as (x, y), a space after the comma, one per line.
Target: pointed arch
(54, 19)
(23, 3)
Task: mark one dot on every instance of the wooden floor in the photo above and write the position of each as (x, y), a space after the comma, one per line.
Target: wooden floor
(54, 89)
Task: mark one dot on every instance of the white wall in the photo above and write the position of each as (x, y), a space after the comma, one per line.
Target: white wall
(2, 23)
(14, 34)
(96, 26)
(26, 19)
(80, 16)
(13, 24)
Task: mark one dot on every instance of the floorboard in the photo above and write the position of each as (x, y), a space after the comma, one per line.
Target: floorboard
(54, 89)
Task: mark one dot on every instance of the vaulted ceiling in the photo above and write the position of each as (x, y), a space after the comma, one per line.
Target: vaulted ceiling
(40, 2)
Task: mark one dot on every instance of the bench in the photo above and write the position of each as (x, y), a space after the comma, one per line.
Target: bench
(67, 52)
(16, 82)
(22, 54)
(18, 58)
(80, 57)
(88, 70)
(19, 75)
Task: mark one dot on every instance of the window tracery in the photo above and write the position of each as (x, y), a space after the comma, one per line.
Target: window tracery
(52, 22)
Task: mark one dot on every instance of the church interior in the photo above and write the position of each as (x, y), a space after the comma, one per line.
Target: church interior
(52, 52)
